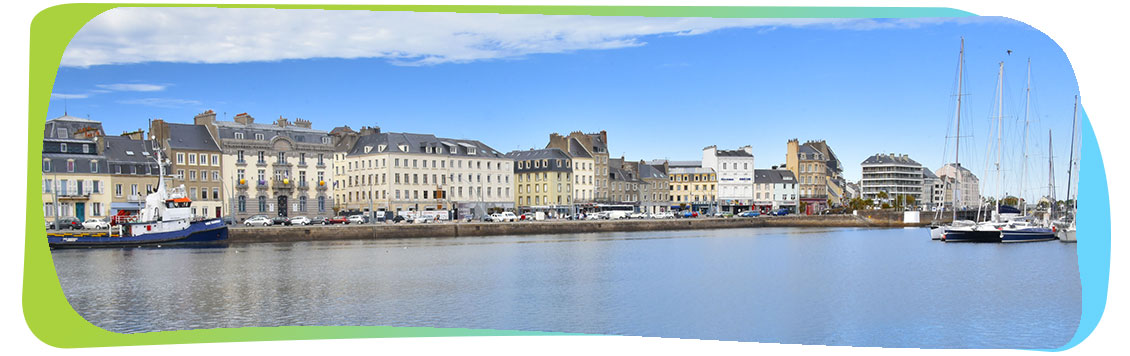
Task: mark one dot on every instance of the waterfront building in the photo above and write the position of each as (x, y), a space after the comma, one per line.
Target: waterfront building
(133, 169)
(933, 191)
(75, 174)
(595, 145)
(624, 183)
(775, 188)
(399, 172)
(654, 187)
(736, 178)
(969, 192)
(584, 167)
(274, 169)
(692, 188)
(543, 180)
(898, 176)
(818, 172)
(196, 164)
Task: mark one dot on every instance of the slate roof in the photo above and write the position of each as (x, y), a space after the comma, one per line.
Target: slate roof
(884, 158)
(648, 172)
(551, 154)
(732, 153)
(227, 130)
(928, 174)
(683, 164)
(690, 170)
(190, 138)
(576, 149)
(419, 143)
(82, 163)
(598, 145)
(71, 124)
(620, 174)
(773, 176)
(117, 148)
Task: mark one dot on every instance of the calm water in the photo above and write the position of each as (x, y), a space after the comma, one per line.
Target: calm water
(887, 287)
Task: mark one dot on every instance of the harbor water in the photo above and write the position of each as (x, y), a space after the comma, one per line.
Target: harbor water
(827, 286)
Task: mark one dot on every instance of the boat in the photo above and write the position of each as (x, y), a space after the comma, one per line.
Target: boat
(1016, 225)
(972, 232)
(166, 220)
(937, 229)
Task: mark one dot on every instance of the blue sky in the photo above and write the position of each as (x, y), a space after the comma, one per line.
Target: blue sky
(662, 88)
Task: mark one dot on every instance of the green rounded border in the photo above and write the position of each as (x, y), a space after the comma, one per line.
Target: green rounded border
(46, 310)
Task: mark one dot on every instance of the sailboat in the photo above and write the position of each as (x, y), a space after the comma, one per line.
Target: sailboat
(1066, 232)
(962, 230)
(1020, 227)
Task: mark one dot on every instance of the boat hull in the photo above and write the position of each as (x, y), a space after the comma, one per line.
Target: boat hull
(936, 232)
(972, 235)
(1027, 235)
(1066, 235)
(206, 232)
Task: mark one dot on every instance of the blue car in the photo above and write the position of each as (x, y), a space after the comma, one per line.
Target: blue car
(780, 212)
(749, 214)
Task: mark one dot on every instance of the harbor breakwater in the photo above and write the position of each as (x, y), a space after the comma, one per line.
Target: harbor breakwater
(448, 229)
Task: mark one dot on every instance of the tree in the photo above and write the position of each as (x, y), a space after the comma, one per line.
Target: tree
(1011, 201)
(885, 206)
(910, 200)
(868, 202)
(883, 196)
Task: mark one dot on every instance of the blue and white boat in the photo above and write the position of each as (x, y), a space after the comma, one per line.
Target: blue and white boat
(167, 220)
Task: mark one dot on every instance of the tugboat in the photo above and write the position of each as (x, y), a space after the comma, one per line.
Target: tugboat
(166, 220)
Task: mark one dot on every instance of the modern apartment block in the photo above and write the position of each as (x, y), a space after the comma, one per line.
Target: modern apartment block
(898, 176)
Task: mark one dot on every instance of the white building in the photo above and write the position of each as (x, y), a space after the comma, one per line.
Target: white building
(933, 191)
(735, 176)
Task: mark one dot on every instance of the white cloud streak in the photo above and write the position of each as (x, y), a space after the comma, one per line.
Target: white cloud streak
(161, 102)
(209, 35)
(69, 96)
(131, 87)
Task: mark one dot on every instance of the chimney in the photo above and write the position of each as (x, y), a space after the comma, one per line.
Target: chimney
(282, 122)
(204, 118)
(245, 119)
(302, 123)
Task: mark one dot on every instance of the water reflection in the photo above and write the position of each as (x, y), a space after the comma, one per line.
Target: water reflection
(889, 287)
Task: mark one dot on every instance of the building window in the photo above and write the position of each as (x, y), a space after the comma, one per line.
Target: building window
(191, 159)
(216, 160)
(46, 165)
(216, 176)
(93, 166)
(262, 157)
(259, 137)
(262, 204)
(281, 158)
(242, 205)
(70, 165)
(239, 135)
(239, 156)
(320, 156)
(321, 203)
(192, 175)
(63, 147)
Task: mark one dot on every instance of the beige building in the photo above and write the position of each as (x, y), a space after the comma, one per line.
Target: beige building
(133, 170)
(596, 147)
(818, 172)
(543, 180)
(966, 185)
(693, 188)
(196, 164)
(584, 166)
(401, 172)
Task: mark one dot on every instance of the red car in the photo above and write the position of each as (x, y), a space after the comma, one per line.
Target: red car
(338, 220)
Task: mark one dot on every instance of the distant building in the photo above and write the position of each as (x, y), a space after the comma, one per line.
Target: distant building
(735, 176)
(75, 174)
(692, 188)
(933, 191)
(966, 185)
(623, 183)
(584, 165)
(775, 189)
(543, 180)
(896, 175)
(654, 187)
(819, 173)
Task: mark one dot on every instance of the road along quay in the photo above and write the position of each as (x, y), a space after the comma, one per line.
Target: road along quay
(451, 229)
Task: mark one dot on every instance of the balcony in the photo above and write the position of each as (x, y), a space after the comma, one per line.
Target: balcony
(241, 184)
(303, 185)
(135, 198)
(240, 162)
(262, 185)
(284, 183)
(261, 163)
(322, 186)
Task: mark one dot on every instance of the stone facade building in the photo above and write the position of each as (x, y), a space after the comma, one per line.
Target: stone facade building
(281, 168)
(818, 172)
(133, 169)
(594, 145)
(406, 172)
(654, 187)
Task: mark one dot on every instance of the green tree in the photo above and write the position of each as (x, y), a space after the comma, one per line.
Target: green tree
(885, 206)
(883, 196)
(1011, 201)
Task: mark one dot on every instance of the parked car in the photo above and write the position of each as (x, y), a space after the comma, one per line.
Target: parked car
(357, 219)
(749, 214)
(487, 218)
(420, 220)
(779, 212)
(398, 218)
(95, 224)
(280, 220)
(338, 220)
(504, 216)
(321, 220)
(228, 220)
(261, 220)
(664, 215)
(66, 223)
(299, 220)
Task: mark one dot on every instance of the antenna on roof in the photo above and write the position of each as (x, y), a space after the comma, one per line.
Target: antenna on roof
(64, 106)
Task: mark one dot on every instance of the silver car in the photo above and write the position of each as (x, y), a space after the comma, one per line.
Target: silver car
(260, 220)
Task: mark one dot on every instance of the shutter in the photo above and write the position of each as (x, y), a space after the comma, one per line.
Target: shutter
(88, 186)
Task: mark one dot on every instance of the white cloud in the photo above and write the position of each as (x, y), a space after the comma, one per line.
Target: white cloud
(210, 35)
(131, 87)
(161, 102)
(69, 96)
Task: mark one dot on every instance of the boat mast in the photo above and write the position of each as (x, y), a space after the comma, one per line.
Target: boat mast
(1000, 127)
(1071, 161)
(1024, 170)
(957, 136)
(1051, 177)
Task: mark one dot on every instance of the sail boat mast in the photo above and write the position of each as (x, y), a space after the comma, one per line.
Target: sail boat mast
(1024, 171)
(1000, 127)
(1051, 176)
(957, 136)
(1071, 161)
